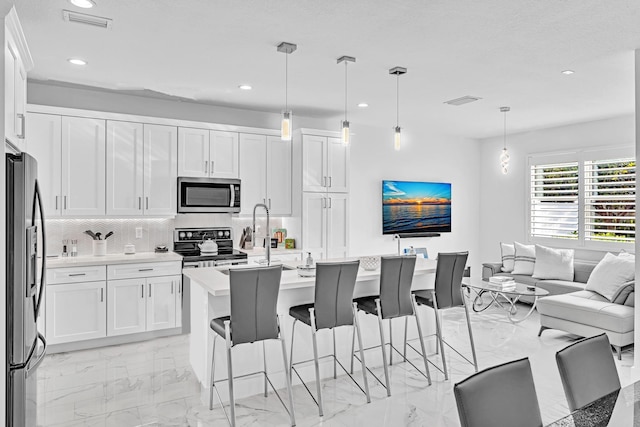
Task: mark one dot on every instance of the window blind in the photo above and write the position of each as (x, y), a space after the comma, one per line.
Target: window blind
(609, 200)
(555, 200)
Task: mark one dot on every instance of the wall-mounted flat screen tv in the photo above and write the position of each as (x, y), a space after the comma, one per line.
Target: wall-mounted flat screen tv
(416, 207)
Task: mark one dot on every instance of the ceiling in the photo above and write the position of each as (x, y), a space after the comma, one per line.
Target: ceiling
(508, 52)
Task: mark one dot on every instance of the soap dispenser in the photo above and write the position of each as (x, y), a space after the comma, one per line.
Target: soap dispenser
(309, 261)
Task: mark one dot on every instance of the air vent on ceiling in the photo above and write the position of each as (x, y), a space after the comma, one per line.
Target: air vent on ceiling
(82, 18)
(464, 100)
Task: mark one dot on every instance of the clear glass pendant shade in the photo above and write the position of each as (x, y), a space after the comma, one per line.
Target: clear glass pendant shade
(504, 161)
(397, 140)
(346, 137)
(285, 126)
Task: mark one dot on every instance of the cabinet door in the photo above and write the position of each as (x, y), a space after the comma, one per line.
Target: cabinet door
(76, 312)
(83, 166)
(179, 299)
(45, 145)
(337, 225)
(279, 176)
(337, 166)
(193, 152)
(160, 169)
(20, 101)
(224, 160)
(124, 168)
(10, 61)
(314, 168)
(253, 164)
(314, 224)
(126, 306)
(161, 302)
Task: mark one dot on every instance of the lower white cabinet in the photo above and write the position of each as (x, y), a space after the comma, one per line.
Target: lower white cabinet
(161, 302)
(76, 311)
(127, 305)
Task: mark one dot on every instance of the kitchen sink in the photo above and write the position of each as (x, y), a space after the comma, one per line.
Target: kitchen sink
(226, 270)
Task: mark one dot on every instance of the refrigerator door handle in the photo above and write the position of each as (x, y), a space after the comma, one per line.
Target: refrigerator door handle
(30, 369)
(43, 264)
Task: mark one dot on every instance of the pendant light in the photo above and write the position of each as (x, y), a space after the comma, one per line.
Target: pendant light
(285, 126)
(345, 123)
(504, 156)
(397, 71)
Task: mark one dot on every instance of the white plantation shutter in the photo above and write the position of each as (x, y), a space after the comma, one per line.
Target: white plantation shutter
(609, 199)
(554, 200)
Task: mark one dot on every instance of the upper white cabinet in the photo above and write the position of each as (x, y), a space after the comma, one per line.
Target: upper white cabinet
(324, 224)
(83, 166)
(17, 62)
(325, 164)
(141, 169)
(125, 168)
(160, 169)
(45, 144)
(265, 171)
(207, 154)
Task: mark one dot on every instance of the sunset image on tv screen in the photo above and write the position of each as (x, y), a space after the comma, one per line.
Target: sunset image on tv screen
(415, 207)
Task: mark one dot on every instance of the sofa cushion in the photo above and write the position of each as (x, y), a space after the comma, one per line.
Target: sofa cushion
(508, 257)
(611, 273)
(582, 270)
(557, 287)
(588, 308)
(525, 259)
(553, 263)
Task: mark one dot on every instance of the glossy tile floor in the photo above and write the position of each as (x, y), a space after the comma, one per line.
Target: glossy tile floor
(151, 384)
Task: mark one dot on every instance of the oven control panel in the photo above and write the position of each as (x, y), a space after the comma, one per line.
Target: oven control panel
(200, 234)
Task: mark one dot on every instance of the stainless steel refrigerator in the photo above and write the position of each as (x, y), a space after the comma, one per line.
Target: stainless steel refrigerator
(25, 283)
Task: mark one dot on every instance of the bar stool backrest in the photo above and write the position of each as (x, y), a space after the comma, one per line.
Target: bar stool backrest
(396, 276)
(335, 283)
(254, 296)
(449, 272)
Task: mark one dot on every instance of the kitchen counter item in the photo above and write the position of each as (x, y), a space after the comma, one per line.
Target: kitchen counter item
(99, 247)
(370, 263)
(208, 247)
(161, 248)
(306, 270)
(129, 249)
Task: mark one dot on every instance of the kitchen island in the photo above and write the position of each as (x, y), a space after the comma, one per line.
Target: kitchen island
(210, 299)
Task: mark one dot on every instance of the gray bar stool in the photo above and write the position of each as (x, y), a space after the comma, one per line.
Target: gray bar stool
(254, 296)
(447, 294)
(395, 300)
(333, 307)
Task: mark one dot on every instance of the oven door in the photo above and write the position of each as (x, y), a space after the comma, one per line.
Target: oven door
(208, 195)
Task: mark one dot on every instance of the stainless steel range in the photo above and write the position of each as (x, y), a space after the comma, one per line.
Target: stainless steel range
(186, 241)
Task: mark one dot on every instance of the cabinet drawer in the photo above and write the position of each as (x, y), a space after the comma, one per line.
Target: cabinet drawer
(92, 273)
(147, 269)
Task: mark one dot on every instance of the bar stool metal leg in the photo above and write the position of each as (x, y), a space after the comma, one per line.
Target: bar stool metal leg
(264, 360)
(406, 324)
(353, 340)
(293, 334)
(424, 351)
(356, 330)
(315, 359)
(382, 344)
(390, 343)
(288, 379)
(439, 334)
(473, 346)
(335, 362)
(232, 403)
(213, 371)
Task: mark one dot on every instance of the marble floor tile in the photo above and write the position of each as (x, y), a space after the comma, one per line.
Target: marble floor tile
(151, 383)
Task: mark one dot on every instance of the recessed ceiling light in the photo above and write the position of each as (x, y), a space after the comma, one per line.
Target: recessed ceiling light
(245, 87)
(568, 72)
(77, 61)
(363, 105)
(85, 4)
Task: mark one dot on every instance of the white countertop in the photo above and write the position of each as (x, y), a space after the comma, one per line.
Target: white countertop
(217, 283)
(109, 259)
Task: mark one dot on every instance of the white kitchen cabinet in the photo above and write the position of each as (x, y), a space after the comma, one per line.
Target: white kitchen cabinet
(161, 302)
(207, 154)
(125, 168)
(265, 171)
(325, 224)
(83, 166)
(160, 169)
(45, 145)
(126, 306)
(17, 62)
(75, 312)
(325, 164)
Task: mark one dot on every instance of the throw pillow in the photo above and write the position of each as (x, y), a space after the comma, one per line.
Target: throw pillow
(508, 257)
(525, 259)
(623, 292)
(611, 273)
(555, 264)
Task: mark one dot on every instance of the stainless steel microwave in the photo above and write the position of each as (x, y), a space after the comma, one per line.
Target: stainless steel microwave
(208, 195)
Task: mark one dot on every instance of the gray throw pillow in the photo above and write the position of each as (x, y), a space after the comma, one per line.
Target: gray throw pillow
(623, 292)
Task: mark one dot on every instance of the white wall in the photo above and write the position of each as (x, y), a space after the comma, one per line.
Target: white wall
(424, 157)
(503, 201)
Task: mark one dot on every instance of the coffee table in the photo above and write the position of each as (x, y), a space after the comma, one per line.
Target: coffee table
(506, 300)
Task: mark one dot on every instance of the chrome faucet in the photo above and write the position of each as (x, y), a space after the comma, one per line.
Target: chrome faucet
(267, 245)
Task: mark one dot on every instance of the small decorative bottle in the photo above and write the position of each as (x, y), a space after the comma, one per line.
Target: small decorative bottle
(65, 252)
(74, 247)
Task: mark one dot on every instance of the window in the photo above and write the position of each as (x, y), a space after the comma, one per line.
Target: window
(584, 197)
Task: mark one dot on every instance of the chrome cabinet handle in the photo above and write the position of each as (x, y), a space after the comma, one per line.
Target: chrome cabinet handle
(269, 203)
(172, 287)
(142, 291)
(101, 294)
(56, 203)
(65, 202)
(329, 199)
(145, 269)
(140, 203)
(211, 168)
(329, 181)
(22, 125)
(149, 290)
(77, 274)
(147, 203)
(179, 288)
(324, 181)
(324, 203)
(206, 168)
